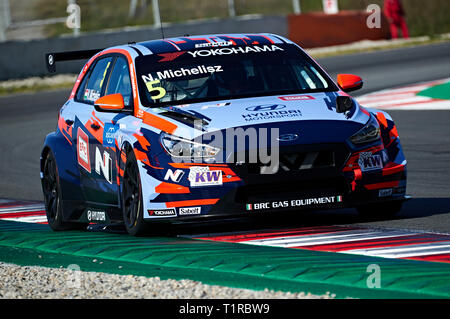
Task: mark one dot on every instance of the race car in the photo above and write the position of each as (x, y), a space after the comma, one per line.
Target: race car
(214, 126)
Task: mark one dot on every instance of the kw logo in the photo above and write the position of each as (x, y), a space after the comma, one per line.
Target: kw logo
(208, 177)
(367, 161)
(202, 176)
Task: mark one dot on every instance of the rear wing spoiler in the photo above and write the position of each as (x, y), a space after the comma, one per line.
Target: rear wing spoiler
(52, 58)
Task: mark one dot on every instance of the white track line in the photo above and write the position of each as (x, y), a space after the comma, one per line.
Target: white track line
(28, 219)
(436, 248)
(405, 98)
(322, 239)
(22, 209)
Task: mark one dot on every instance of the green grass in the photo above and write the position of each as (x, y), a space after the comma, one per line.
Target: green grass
(35, 88)
(424, 17)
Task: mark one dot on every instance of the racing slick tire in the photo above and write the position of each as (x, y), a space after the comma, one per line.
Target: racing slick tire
(52, 197)
(131, 196)
(382, 210)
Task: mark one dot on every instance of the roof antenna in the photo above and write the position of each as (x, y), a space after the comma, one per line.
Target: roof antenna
(157, 16)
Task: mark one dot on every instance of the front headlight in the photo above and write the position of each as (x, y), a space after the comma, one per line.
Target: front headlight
(180, 147)
(369, 133)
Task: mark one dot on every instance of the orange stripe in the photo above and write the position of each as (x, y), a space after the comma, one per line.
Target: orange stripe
(382, 119)
(394, 132)
(142, 141)
(141, 156)
(159, 123)
(169, 188)
(63, 128)
(70, 142)
(389, 170)
(192, 202)
(382, 185)
(364, 111)
(97, 134)
(93, 114)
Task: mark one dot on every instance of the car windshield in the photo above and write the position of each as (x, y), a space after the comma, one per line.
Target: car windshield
(209, 74)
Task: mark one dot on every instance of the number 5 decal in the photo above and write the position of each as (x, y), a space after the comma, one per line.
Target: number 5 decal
(152, 88)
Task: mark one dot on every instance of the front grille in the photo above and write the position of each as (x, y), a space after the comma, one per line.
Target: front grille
(296, 163)
(293, 162)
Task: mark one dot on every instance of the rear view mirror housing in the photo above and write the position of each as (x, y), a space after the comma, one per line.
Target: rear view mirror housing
(110, 103)
(349, 82)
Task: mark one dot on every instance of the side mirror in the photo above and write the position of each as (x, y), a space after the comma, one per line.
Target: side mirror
(349, 82)
(110, 103)
(343, 104)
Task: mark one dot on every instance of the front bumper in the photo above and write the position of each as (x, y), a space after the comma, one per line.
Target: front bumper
(338, 184)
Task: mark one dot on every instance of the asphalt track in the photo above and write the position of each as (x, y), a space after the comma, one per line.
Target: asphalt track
(26, 119)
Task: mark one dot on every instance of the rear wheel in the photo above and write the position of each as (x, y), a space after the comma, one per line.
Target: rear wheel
(52, 197)
(381, 210)
(132, 204)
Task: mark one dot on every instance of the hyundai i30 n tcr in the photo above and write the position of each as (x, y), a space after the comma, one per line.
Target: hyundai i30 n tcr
(214, 126)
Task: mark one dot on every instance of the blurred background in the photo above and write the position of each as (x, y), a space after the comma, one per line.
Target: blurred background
(423, 17)
(31, 28)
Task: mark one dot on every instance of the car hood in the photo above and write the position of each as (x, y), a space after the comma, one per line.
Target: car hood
(260, 111)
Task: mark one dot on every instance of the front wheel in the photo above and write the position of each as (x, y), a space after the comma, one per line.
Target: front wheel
(381, 210)
(52, 197)
(132, 204)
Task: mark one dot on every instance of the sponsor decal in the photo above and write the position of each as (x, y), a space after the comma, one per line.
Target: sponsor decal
(213, 44)
(83, 150)
(96, 215)
(189, 211)
(103, 164)
(204, 107)
(174, 176)
(183, 105)
(170, 56)
(91, 95)
(202, 176)
(109, 133)
(162, 212)
(235, 50)
(296, 98)
(269, 111)
(266, 107)
(287, 137)
(181, 72)
(385, 192)
(295, 203)
(133, 80)
(369, 162)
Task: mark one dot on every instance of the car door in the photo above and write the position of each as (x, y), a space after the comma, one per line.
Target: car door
(106, 152)
(95, 167)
